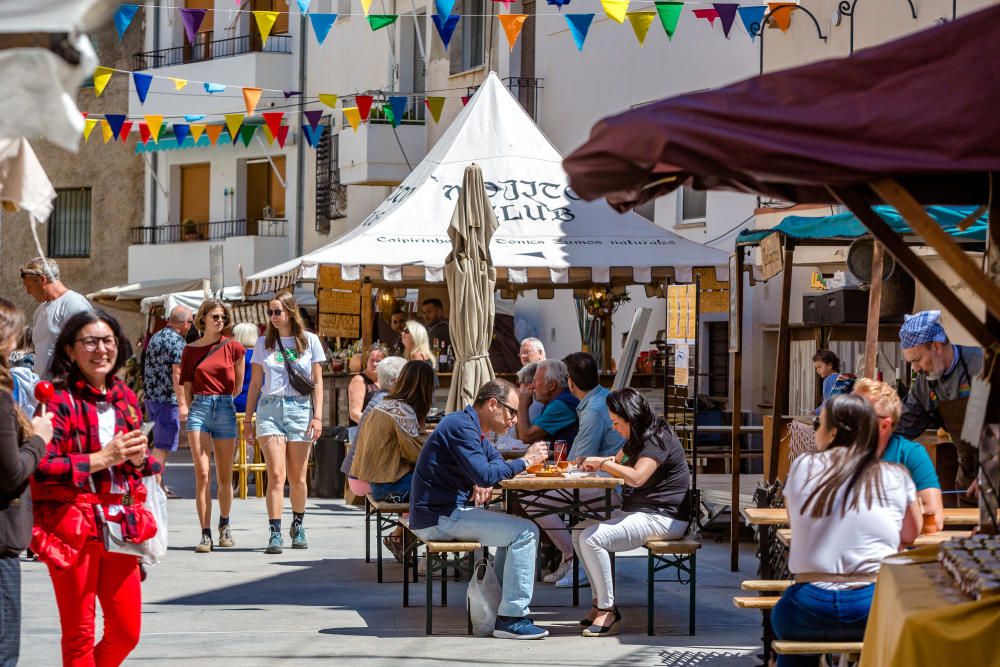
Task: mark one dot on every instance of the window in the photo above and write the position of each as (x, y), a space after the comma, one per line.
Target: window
(718, 358)
(195, 180)
(693, 205)
(467, 50)
(69, 225)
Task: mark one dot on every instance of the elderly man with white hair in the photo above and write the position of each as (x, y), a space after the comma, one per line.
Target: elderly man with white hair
(558, 420)
(532, 351)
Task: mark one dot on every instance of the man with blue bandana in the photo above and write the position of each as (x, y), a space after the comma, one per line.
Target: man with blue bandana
(940, 392)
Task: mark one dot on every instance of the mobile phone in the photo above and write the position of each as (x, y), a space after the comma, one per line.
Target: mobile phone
(147, 428)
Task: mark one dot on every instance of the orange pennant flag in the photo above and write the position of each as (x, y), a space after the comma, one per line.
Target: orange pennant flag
(88, 127)
(781, 14)
(196, 130)
(213, 132)
(250, 98)
(154, 123)
(512, 25)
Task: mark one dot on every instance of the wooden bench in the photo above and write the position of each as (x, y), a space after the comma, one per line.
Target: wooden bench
(386, 519)
(437, 562)
(766, 585)
(846, 650)
(756, 602)
(663, 554)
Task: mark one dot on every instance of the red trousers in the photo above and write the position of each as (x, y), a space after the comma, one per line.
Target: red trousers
(114, 580)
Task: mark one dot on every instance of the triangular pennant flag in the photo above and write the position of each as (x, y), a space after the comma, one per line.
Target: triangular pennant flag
(196, 130)
(154, 123)
(84, 113)
(181, 131)
(290, 93)
(88, 127)
(106, 130)
(267, 134)
(123, 18)
(313, 135)
(379, 21)
(753, 19)
(233, 122)
(192, 18)
(313, 117)
(142, 82)
(615, 9)
(388, 114)
(444, 7)
(352, 116)
(213, 132)
(366, 5)
(329, 99)
(321, 24)
(101, 77)
(708, 14)
(265, 21)
(398, 105)
(144, 133)
(434, 105)
(211, 88)
(640, 24)
(670, 13)
(246, 134)
(273, 120)
(512, 24)
(445, 26)
(781, 14)
(194, 117)
(558, 3)
(115, 121)
(179, 83)
(364, 103)
(304, 5)
(727, 14)
(465, 99)
(124, 132)
(251, 96)
(579, 24)
(281, 135)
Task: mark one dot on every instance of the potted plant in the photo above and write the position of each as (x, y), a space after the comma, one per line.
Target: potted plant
(189, 230)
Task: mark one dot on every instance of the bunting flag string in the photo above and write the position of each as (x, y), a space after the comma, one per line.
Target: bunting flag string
(328, 99)
(781, 12)
(233, 122)
(142, 82)
(727, 15)
(364, 103)
(321, 24)
(154, 123)
(115, 122)
(196, 131)
(101, 77)
(251, 96)
(379, 21)
(123, 19)
(352, 116)
(265, 21)
(670, 14)
(180, 132)
(246, 134)
(445, 25)
(753, 19)
(615, 9)
(304, 6)
(366, 5)
(444, 7)
(213, 132)
(88, 127)
(512, 26)
(124, 131)
(281, 135)
(435, 105)
(192, 18)
(708, 14)
(398, 104)
(106, 130)
(144, 134)
(640, 24)
(273, 121)
(579, 25)
(313, 117)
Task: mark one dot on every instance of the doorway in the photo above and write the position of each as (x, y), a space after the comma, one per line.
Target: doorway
(265, 196)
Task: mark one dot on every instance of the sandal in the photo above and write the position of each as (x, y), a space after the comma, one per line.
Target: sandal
(606, 630)
(394, 544)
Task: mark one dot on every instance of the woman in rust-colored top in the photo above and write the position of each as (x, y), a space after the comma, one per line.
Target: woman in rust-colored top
(212, 374)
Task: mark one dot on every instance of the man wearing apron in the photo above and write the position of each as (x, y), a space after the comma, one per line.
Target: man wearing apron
(940, 392)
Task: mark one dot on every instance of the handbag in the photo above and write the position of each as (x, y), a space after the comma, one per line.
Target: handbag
(300, 382)
(483, 598)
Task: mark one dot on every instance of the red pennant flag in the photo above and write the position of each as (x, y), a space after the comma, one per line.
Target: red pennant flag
(465, 99)
(84, 113)
(143, 133)
(708, 14)
(364, 106)
(281, 135)
(273, 120)
(123, 134)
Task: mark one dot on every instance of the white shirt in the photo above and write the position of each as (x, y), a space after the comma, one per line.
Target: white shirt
(851, 544)
(275, 374)
(48, 323)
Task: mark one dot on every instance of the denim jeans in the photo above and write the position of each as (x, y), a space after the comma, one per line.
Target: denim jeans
(807, 612)
(516, 540)
(400, 489)
(10, 611)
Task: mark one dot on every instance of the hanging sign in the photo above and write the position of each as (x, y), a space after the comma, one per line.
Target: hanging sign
(682, 375)
(771, 256)
(681, 314)
(339, 326)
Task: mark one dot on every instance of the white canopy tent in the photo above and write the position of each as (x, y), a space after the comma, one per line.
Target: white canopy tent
(547, 237)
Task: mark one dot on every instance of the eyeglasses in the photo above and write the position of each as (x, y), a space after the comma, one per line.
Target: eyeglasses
(219, 318)
(406, 331)
(275, 313)
(512, 411)
(90, 343)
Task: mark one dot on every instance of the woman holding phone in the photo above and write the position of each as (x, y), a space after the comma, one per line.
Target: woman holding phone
(286, 393)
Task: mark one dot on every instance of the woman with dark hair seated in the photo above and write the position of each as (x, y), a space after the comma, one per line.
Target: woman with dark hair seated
(848, 510)
(655, 501)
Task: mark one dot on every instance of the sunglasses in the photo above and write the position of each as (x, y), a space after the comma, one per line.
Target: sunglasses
(512, 411)
(275, 313)
(91, 343)
(219, 318)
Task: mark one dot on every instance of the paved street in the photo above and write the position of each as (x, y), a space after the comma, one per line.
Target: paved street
(242, 607)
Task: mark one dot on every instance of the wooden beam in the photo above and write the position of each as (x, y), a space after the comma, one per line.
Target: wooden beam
(989, 444)
(780, 404)
(915, 266)
(874, 308)
(736, 362)
(366, 314)
(924, 225)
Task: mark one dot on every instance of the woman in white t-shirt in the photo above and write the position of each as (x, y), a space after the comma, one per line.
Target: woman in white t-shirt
(288, 420)
(848, 510)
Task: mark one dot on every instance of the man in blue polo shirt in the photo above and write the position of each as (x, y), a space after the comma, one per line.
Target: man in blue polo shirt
(897, 449)
(455, 472)
(558, 420)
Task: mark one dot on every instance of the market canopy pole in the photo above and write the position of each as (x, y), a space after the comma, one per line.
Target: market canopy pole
(874, 308)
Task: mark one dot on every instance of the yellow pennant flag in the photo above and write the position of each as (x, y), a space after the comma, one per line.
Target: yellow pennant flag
(101, 77)
(615, 9)
(196, 130)
(154, 123)
(233, 122)
(328, 99)
(435, 104)
(106, 130)
(250, 98)
(265, 21)
(88, 127)
(179, 83)
(268, 135)
(640, 24)
(512, 24)
(366, 5)
(353, 117)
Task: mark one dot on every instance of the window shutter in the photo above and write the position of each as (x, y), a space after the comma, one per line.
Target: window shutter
(194, 192)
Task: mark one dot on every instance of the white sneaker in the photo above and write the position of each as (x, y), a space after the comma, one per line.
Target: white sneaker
(560, 572)
(567, 581)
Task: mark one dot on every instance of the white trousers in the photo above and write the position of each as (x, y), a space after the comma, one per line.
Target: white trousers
(556, 528)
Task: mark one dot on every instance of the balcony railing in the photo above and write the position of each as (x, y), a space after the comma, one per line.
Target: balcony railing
(414, 114)
(202, 51)
(206, 231)
(524, 89)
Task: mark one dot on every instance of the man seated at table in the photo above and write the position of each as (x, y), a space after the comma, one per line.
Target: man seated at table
(526, 381)
(895, 448)
(558, 420)
(455, 472)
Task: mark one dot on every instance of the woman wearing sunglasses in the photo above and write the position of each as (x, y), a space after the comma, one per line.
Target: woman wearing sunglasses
(286, 361)
(212, 374)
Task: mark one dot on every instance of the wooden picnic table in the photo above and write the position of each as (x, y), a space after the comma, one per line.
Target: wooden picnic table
(778, 516)
(923, 540)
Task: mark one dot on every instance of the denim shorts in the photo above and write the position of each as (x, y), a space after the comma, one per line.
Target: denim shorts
(287, 416)
(213, 414)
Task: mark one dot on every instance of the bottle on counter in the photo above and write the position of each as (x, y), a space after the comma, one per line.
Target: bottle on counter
(443, 365)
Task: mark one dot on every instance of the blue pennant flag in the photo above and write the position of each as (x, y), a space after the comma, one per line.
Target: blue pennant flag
(115, 121)
(181, 132)
(444, 7)
(321, 24)
(398, 105)
(579, 24)
(558, 3)
(142, 82)
(123, 18)
(304, 5)
(194, 118)
(445, 26)
(753, 18)
(214, 87)
(313, 135)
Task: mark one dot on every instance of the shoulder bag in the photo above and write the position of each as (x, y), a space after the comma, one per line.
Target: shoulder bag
(300, 382)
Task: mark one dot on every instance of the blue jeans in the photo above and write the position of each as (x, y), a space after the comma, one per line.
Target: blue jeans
(516, 540)
(400, 488)
(214, 414)
(10, 611)
(807, 612)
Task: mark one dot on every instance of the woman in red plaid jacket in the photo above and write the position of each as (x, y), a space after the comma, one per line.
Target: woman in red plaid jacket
(91, 474)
